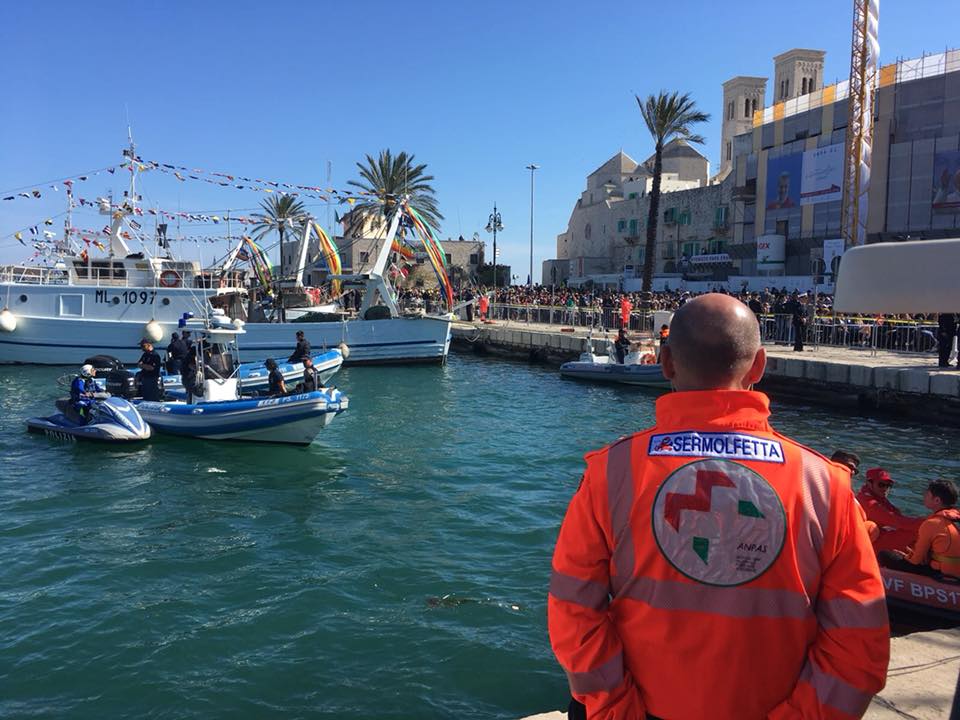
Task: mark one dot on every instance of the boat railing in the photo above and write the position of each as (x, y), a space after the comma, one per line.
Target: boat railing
(33, 275)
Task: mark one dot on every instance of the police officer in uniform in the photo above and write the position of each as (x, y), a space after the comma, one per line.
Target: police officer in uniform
(176, 351)
(302, 350)
(311, 378)
(149, 365)
(278, 387)
(709, 567)
(946, 329)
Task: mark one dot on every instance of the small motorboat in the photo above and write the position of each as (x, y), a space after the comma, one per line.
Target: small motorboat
(603, 368)
(221, 412)
(921, 594)
(255, 378)
(112, 419)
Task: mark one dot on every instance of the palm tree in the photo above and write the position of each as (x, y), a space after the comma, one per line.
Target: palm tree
(283, 213)
(389, 178)
(668, 116)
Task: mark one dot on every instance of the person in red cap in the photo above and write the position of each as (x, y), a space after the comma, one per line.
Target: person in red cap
(897, 531)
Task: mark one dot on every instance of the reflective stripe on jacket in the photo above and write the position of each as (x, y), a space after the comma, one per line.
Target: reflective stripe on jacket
(709, 567)
(938, 542)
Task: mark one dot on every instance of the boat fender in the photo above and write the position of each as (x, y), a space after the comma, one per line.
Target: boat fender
(238, 323)
(154, 331)
(649, 359)
(344, 350)
(8, 321)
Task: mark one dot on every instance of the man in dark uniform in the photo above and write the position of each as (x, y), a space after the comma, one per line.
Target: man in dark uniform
(311, 378)
(302, 350)
(798, 319)
(82, 391)
(149, 365)
(278, 387)
(621, 346)
(176, 351)
(946, 329)
(188, 376)
(468, 297)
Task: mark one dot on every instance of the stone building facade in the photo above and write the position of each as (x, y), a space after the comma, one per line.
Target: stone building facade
(711, 231)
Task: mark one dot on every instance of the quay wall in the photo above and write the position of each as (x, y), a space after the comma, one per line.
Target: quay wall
(843, 378)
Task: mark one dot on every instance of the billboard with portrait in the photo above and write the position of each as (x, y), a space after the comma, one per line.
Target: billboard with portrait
(783, 181)
(822, 175)
(946, 182)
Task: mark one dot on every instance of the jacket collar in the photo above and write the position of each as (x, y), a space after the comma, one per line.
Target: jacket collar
(696, 409)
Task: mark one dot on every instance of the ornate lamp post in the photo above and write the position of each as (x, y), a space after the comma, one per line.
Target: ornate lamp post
(494, 225)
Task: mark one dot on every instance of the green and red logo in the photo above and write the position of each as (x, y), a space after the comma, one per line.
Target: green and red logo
(718, 522)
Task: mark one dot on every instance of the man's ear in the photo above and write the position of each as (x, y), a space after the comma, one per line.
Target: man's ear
(755, 373)
(667, 367)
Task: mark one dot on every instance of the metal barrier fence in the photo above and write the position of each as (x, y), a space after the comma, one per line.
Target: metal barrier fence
(864, 333)
(859, 333)
(605, 319)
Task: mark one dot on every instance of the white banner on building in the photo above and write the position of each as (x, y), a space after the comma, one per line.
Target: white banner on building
(822, 176)
(832, 249)
(771, 252)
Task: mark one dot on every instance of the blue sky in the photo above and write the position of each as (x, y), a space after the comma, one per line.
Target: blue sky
(475, 90)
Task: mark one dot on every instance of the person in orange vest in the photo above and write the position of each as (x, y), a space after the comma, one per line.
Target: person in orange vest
(897, 531)
(664, 337)
(625, 307)
(484, 303)
(937, 549)
(710, 567)
(851, 461)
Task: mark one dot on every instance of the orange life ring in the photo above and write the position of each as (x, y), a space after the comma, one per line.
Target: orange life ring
(170, 279)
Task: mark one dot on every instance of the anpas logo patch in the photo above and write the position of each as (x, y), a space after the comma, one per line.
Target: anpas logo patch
(719, 522)
(735, 446)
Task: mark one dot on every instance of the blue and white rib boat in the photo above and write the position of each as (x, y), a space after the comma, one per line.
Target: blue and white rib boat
(222, 413)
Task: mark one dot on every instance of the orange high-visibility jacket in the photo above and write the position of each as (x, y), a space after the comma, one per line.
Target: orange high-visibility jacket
(711, 568)
(938, 542)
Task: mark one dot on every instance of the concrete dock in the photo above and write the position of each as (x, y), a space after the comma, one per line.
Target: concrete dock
(909, 385)
(920, 681)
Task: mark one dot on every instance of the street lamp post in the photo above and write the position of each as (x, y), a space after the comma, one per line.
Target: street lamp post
(532, 167)
(494, 224)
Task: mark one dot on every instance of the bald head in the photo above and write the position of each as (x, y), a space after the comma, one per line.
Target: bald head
(714, 344)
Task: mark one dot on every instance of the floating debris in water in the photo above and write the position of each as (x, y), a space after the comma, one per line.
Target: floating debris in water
(451, 601)
(215, 470)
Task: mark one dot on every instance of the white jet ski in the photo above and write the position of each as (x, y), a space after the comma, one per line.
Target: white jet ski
(112, 419)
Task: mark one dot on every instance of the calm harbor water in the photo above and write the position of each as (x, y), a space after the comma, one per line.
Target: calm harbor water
(199, 579)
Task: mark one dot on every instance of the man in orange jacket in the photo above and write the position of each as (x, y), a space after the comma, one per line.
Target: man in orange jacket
(711, 568)
(897, 531)
(937, 548)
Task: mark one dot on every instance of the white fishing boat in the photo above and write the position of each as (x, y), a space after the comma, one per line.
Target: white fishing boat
(222, 413)
(81, 306)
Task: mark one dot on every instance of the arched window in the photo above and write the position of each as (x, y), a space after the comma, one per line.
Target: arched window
(803, 87)
(746, 107)
(730, 111)
(754, 104)
(813, 80)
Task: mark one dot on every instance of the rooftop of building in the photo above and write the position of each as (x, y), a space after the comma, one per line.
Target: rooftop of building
(800, 52)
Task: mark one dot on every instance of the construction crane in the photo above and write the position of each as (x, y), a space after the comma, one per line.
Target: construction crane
(864, 69)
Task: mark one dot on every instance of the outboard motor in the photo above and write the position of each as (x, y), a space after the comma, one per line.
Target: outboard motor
(104, 364)
(121, 383)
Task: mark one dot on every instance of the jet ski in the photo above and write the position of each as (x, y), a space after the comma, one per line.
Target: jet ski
(112, 419)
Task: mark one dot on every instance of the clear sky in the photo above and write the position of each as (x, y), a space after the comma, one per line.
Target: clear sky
(475, 90)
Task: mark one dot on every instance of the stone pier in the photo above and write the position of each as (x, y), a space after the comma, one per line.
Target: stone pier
(908, 385)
